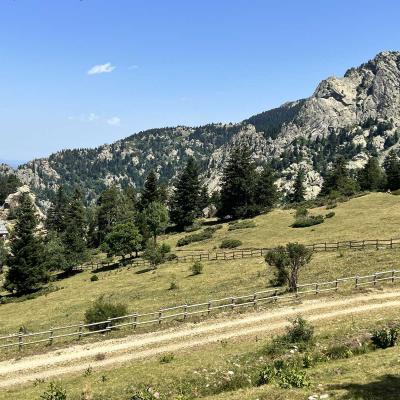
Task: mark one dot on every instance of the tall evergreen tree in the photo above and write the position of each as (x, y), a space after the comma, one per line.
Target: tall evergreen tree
(338, 180)
(56, 214)
(392, 170)
(151, 191)
(371, 176)
(8, 184)
(238, 183)
(297, 195)
(74, 237)
(186, 199)
(266, 192)
(26, 271)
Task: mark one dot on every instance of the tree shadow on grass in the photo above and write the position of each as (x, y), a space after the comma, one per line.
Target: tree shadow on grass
(386, 387)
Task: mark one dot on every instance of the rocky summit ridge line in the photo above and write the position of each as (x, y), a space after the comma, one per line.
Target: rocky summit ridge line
(356, 116)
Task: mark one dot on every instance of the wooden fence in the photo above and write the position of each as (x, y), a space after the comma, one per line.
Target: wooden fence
(184, 311)
(199, 255)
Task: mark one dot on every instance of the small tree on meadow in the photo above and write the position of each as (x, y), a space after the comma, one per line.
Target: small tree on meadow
(289, 261)
(123, 239)
(297, 195)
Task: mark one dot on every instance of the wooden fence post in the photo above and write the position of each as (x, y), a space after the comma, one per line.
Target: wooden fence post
(255, 299)
(209, 305)
(20, 341)
(336, 285)
(276, 295)
(51, 336)
(108, 325)
(375, 279)
(357, 282)
(391, 243)
(80, 331)
(392, 276)
(185, 311)
(160, 315)
(316, 288)
(134, 320)
(325, 246)
(232, 303)
(377, 244)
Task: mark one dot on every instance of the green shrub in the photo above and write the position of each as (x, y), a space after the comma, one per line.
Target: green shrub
(330, 205)
(339, 352)
(193, 228)
(300, 331)
(230, 244)
(167, 358)
(241, 225)
(54, 392)
(102, 310)
(170, 257)
(197, 268)
(94, 278)
(330, 214)
(198, 237)
(309, 220)
(156, 254)
(385, 338)
(285, 374)
(173, 285)
(396, 192)
(301, 212)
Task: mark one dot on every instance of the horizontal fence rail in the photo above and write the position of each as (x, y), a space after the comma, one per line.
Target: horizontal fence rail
(184, 311)
(199, 255)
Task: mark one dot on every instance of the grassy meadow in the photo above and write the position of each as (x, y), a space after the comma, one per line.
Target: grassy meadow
(370, 216)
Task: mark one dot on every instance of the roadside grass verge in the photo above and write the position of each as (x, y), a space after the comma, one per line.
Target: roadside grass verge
(189, 372)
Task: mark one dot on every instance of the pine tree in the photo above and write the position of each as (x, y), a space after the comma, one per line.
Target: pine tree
(266, 192)
(56, 214)
(297, 196)
(186, 199)
(371, 176)
(26, 271)
(238, 183)
(151, 191)
(392, 169)
(74, 237)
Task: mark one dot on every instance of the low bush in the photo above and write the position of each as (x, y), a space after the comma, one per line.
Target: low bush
(173, 285)
(230, 244)
(54, 392)
(330, 215)
(198, 237)
(193, 228)
(331, 205)
(301, 212)
(300, 331)
(241, 225)
(156, 254)
(167, 358)
(196, 268)
(102, 310)
(285, 373)
(309, 220)
(396, 192)
(385, 338)
(94, 278)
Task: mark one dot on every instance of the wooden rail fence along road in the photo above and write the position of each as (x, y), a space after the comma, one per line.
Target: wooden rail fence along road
(184, 311)
(248, 253)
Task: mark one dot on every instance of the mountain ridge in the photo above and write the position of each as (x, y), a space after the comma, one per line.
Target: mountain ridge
(356, 116)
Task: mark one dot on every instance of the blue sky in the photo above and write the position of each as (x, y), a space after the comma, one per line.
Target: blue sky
(163, 63)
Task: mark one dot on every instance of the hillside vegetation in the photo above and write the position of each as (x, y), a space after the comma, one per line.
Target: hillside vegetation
(370, 216)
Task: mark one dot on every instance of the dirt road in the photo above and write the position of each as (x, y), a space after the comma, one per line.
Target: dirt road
(116, 351)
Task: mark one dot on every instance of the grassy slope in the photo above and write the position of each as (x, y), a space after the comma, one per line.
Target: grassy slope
(371, 216)
(368, 217)
(350, 377)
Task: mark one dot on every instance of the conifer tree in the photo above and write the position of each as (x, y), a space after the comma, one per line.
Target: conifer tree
(74, 237)
(26, 271)
(297, 196)
(266, 192)
(238, 183)
(186, 199)
(392, 170)
(371, 176)
(151, 191)
(56, 214)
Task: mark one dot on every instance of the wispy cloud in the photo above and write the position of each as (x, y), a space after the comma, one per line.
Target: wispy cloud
(133, 66)
(101, 69)
(91, 117)
(114, 121)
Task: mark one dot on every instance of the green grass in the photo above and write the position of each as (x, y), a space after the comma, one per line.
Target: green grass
(341, 379)
(372, 216)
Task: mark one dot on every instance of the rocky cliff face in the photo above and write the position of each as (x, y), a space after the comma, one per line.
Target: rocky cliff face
(355, 116)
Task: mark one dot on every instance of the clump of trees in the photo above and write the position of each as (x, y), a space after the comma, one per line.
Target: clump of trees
(245, 192)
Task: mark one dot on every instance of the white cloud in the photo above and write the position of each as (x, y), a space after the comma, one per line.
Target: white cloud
(114, 121)
(101, 69)
(92, 117)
